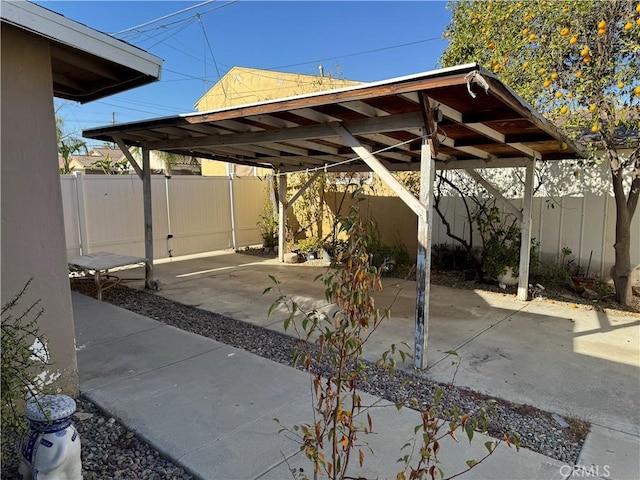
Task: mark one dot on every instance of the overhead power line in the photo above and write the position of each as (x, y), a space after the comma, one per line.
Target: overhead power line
(163, 17)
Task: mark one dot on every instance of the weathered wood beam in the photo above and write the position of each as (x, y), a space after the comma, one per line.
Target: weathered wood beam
(392, 182)
(423, 263)
(148, 218)
(282, 214)
(127, 153)
(303, 189)
(525, 235)
(495, 193)
(357, 127)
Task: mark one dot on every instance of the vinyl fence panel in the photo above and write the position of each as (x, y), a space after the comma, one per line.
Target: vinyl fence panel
(190, 214)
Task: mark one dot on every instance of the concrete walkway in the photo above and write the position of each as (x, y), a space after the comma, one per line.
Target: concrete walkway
(210, 406)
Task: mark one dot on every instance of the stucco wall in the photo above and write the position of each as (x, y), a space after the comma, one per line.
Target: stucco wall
(33, 241)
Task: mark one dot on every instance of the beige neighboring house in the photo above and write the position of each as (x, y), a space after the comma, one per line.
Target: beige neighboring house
(87, 163)
(45, 55)
(241, 86)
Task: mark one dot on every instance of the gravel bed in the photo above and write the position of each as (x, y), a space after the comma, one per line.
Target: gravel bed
(110, 451)
(537, 429)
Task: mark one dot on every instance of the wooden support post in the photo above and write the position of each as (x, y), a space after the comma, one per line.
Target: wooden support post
(282, 212)
(148, 218)
(232, 202)
(423, 266)
(525, 235)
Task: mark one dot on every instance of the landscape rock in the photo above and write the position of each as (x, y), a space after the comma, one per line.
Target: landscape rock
(590, 294)
(290, 257)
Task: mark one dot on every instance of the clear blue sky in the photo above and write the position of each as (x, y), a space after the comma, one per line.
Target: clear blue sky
(364, 41)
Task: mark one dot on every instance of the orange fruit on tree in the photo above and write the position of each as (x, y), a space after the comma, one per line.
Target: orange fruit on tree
(573, 40)
(579, 73)
(554, 76)
(637, 90)
(525, 31)
(532, 36)
(474, 21)
(638, 22)
(570, 95)
(621, 85)
(592, 107)
(565, 10)
(587, 59)
(638, 8)
(491, 46)
(564, 32)
(628, 26)
(564, 109)
(558, 94)
(594, 129)
(602, 24)
(584, 52)
(546, 84)
(525, 64)
(602, 31)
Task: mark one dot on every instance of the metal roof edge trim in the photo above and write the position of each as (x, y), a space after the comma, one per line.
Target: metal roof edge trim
(414, 76)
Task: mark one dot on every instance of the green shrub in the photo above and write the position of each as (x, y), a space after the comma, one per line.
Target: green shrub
(20, 366)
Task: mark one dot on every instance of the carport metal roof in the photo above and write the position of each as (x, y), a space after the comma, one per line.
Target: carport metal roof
(461, 117)
(480, 123)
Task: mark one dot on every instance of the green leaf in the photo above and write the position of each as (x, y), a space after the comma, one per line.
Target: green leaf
(267, 290)
(451, 352)
(469, 429)
(490, 446)
(471, 463)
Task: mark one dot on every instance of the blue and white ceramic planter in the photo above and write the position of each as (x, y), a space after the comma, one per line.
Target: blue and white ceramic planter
(50, 450)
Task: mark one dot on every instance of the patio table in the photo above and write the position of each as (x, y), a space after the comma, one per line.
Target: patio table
(100, 263)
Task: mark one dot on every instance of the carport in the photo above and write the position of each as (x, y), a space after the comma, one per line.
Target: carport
(461, 117)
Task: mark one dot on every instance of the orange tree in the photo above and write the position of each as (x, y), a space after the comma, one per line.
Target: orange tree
(578, 62)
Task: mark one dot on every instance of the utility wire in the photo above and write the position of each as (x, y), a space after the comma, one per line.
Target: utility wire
(358, 53)
(213, 57)
(163, 17)
(349, 160)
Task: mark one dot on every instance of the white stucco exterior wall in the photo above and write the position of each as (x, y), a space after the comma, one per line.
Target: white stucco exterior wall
(32, 226)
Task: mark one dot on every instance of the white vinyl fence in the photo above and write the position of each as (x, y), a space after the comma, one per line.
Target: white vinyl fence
(191, 214)
(585, 224)
(104, 213)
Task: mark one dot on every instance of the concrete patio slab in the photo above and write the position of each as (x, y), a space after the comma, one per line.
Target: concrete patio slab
(394, 428)
(561, 358)
(609, 453)
(531, 358)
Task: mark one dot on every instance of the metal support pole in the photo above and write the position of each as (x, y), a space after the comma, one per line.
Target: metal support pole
(169, 234)
(82, 214)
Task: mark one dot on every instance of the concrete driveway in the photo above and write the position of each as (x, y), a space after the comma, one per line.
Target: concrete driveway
(559, 357)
